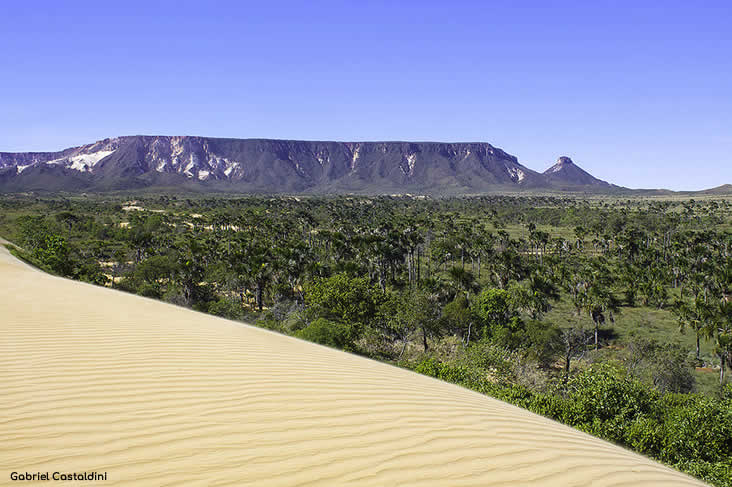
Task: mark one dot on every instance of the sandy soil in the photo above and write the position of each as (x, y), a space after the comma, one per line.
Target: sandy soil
(96, 380)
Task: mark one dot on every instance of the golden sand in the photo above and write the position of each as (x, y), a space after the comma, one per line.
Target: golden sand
(95, 380)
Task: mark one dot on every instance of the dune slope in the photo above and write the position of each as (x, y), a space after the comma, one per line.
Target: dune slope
(97, 380)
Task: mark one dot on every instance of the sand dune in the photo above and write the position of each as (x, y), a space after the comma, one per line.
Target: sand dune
(96, 380)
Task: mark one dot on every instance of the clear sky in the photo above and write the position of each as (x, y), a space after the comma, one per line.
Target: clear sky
(637, 93)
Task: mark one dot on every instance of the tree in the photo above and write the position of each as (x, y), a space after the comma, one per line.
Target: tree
(506, 265)
(190, 267)
(151, 275)
(534, 295)
(543, 342)
(694, 315)
(261, 270)
(67, 218)
(599, 302)
(722, 321)
(671, 371)
(408, 312)
(580, 232)
(574, 342)
(496, 308)
(459, 317)
(462, 279)
(499, 315)
(344, 299)
(589, 285)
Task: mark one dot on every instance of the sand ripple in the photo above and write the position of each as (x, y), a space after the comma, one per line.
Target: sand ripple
(97, 380)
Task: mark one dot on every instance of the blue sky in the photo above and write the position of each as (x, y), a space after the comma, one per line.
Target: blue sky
(639, 95)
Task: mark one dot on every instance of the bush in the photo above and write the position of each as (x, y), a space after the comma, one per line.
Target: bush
(430, 367)
(90, 272)
(226, 308)
(671, 371)
(496, 309)
(330, 333)
(697, 428)
(548, 405)
(493, 363)
(645, 435)
(342, 298)
(53, 252)
(270, 324)
(145, 289)
(543, 342)
(718, 473)
(604, 392)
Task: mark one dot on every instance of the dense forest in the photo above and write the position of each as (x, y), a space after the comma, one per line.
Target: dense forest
(609, 315)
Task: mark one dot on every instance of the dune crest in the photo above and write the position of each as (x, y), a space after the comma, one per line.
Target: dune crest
(93, 379)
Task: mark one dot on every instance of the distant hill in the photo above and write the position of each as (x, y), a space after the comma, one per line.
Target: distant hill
(721, 190)
(566, 174)
(285, 166)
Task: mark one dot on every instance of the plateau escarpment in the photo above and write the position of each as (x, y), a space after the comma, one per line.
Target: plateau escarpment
(277, 166)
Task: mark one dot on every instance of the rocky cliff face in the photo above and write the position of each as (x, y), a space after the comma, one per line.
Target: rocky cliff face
(82, 158)
(275, 166)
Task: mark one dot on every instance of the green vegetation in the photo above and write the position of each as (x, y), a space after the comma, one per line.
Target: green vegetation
(611, 316)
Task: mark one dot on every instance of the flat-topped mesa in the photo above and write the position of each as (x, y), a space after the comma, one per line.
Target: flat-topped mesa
(268, 165)
(282, 166)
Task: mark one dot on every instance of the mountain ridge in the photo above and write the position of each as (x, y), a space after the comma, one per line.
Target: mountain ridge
(268, 165)
(286, 166)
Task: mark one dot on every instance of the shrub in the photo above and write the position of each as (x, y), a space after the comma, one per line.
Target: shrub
(226, 308)
(604, 392)
(645, 435)
(698, 428)
(330, 333)
(342, 298)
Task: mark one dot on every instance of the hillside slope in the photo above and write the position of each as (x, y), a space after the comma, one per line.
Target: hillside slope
(565, 173)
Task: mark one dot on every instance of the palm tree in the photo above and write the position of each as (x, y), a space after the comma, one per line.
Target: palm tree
(191, 267)
(722, 320)
(463, 280)
(694, 315)
(598, 302)
(589, 286)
